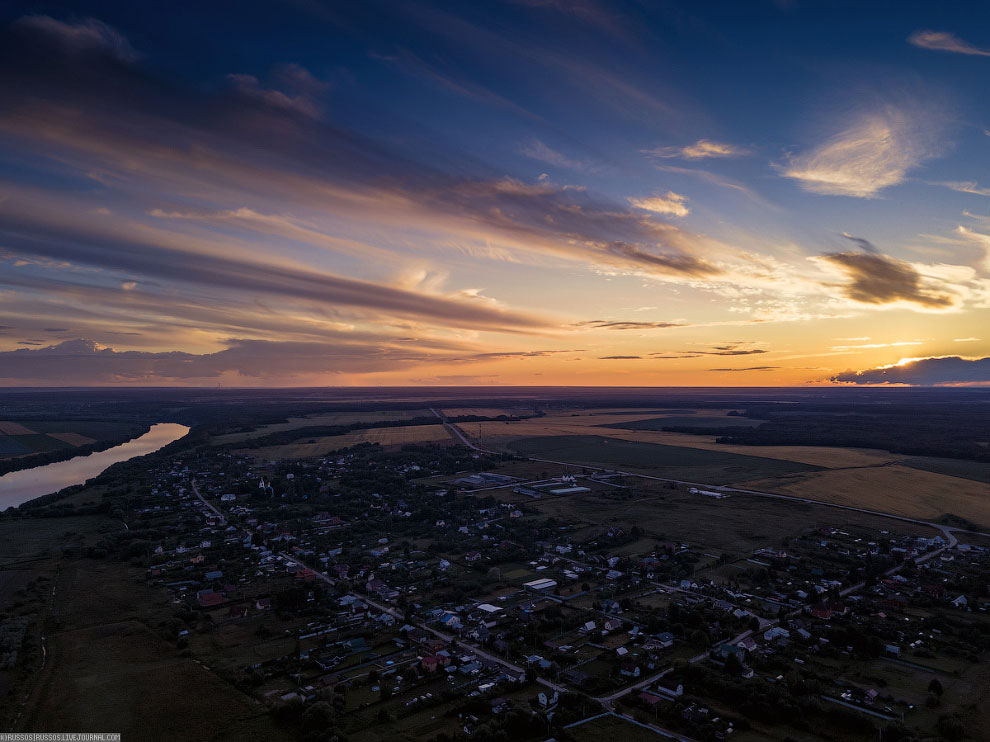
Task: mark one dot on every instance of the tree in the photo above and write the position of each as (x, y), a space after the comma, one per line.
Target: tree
(733, 666)
(317, 717)
(935, 686)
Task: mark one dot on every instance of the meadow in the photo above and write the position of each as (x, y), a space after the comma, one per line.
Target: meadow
(311, 447)
(696, 465)
(24, 437)
(335, 418)
(699, 421)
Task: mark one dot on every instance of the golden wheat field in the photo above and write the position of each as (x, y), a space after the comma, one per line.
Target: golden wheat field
(893, 489)
(831, 458)
(336, 418)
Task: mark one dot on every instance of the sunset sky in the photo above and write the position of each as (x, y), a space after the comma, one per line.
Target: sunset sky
(528, 192)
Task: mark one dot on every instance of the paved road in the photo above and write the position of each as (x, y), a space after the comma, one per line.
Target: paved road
(195, 490)
(455, 641)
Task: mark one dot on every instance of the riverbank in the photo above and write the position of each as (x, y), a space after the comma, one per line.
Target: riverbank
(19, 487)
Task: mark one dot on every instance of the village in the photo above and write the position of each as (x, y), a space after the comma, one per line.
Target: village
(424, 590)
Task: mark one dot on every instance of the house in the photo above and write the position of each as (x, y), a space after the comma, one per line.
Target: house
(576, 677)
(433, 646)
(417, 635)
(827, 609)
(612, 624)
(472, 556)
(960, 602)
(328, 662)
(434, 662)
(611, 607)
(662, 640)
(263, 604)
(776, 633)
(451, 621)
(725, 650)
(630, 670)
(209, 598)
(542, 585)
(670, 687)
(587, 628)
(650, 699)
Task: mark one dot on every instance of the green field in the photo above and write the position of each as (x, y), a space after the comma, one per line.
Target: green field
(21, 438)
(961, 468)
(707, 421)
(675, 462)
(612, 727)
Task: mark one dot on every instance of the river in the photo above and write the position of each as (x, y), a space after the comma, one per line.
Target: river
(20, 486)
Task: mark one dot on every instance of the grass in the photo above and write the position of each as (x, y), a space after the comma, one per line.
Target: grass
(670, 461)
(109, 671)
(736, 525)
(484, 411)
(709, 421)
(44, 537)
(313, 447)
(23, 438)
(612, 727)
(975, 470)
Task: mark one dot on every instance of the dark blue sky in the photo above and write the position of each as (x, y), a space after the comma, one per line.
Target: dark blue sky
(492, 179)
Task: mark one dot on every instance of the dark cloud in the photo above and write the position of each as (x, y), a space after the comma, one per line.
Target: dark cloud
(83, 362)
(732, 352)
(924, 372)
(729, 349)
(864, 245)
(880, 279)
(749, 368)
(604, 324)
(503, 355)
(619, 358)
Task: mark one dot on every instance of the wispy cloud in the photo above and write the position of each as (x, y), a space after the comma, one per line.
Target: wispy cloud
(715, 179)
(748, 368)
(701, 150)
(963, 186)
(726, 349)
(537, 150)
(863, 159)
(605, 324)
(944, 41)
(671, 204)
(87, 36)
